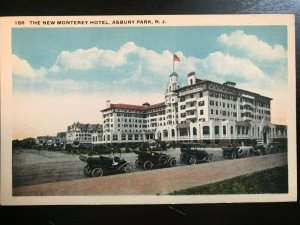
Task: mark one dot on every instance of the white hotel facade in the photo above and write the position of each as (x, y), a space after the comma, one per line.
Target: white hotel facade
(201, 111)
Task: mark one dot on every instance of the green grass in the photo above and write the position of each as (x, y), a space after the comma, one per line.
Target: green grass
(274, 180)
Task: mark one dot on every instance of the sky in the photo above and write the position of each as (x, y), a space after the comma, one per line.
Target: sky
(65, 75)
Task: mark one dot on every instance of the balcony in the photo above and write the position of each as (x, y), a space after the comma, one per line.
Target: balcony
(189, 108)
(191, 100)
(191, 116)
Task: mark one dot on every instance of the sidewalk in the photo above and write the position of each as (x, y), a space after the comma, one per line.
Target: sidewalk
(160, 181)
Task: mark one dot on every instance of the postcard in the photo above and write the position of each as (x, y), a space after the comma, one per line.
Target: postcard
(164, 109)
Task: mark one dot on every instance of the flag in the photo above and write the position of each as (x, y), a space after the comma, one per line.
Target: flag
(176, 58)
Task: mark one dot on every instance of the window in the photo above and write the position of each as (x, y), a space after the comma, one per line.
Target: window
(224, 130)
(201, 103)
(231, 129)
(123, 137)
(194, 131)
(211, 102)
(136, 137)
(216, 130)
(129, 137)
(201, 112)
(238, 130)
(217, 103)
(165, 133)
(212, 111)
(201, 94)
(206, 130)
(217, 112)
(183, 132)
(173, 133)
(115, 137)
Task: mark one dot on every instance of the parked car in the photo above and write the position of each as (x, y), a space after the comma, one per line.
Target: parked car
(150, 159)
(192, 153)
(97, 166)
(235, 152)
(257, 150)
(275, 147)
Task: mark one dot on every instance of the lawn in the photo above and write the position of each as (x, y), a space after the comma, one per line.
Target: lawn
(274, 180)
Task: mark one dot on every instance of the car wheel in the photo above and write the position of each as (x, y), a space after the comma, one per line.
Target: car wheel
(97, 172)
(148, 165)
(128, 168)
(172, 162)
(87, 171)
(193, 160)
(233, 155)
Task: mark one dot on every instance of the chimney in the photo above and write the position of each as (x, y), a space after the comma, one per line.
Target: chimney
(107, 103)
(191, 78)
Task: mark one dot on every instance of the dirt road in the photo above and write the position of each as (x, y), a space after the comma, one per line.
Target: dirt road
(36, 167)
(155, 182)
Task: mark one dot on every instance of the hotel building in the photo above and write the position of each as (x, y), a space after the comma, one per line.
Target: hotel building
(201, 111)
(83, 133)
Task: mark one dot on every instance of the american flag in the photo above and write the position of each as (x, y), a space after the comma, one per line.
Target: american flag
(176, 58)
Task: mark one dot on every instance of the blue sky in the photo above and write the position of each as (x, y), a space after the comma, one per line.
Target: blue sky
(41, 47)
(137, 61)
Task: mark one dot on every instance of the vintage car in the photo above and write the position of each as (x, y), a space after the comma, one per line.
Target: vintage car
(275, 147)
(154, 145)
(150, 159)
(257, 150)
(234, 152)
(192, 153)
(98, 165)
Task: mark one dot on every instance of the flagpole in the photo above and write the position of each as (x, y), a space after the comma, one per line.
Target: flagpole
(173, 64)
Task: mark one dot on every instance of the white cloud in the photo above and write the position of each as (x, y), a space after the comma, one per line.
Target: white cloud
(22, 68)
(218, 63)
(253, 47)
(86, 59)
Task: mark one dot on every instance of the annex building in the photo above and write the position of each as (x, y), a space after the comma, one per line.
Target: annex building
(201, 111)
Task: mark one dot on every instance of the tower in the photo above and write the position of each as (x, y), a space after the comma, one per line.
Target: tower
(171, 99)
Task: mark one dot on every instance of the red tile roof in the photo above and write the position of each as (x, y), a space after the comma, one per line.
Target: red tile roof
(137, 107)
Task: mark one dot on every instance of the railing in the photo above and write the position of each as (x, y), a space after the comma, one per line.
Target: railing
(191, 100)
(191, 116)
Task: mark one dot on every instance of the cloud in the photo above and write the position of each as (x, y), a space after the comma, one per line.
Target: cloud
(253, 47)
(22, 68)
(220, 64)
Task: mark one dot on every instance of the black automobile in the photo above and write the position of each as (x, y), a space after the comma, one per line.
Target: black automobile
(192, 153)
(257, 150)
(150, 159)
(235, 152)
(98, 165)
(275, 147)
